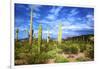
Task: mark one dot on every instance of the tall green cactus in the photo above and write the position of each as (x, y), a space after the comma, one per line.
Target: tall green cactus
(39, 37)
(48, 35)
(31, 28)
(17, 31)
(60, 34)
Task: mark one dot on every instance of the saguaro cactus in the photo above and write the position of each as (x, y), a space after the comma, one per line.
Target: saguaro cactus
(31, 28)
(48, 36)
(17, 31)
(40, 36)
(60, 34)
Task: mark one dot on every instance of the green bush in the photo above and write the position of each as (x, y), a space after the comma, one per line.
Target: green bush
(60, 59)
(74, 49)
(82, 47)
(42, 56)
(89, 52)
(52, 54)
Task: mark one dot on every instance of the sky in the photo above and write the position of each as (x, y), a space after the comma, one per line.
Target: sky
(75, 21)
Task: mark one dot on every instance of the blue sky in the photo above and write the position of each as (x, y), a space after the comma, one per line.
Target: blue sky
(75, 20)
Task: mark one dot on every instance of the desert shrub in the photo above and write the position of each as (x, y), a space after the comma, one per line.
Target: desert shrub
(18, 44)
(17, 54)
(89, 52)
(62, 46)
(52, 53)
(82, 59)
(48, 47)
(37, 57)
(67, 50)
(21, 55)
(82, 47)
(18, 50)
(60, 59)
(74, 49)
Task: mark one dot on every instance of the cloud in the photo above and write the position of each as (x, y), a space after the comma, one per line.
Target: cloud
(36, 15)
(51, 17)
(73, 12)
(55, 10)
(21, 6)
(53, 13)
(46, 31)
(77, 27)
(35, 7)
(89, 16)
(90, 20)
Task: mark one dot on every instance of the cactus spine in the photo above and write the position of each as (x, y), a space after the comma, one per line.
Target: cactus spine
(17, 31)
(39, 37)
(60, 34)
(48, 36)
(31, 28)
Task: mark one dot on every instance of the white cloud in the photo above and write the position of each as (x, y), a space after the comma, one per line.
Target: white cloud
(71, 19)
(90, 17)
(44, 21)
(36, 15)
(57, 10)
(54, 12)
(35, 7)
(90, 20)
(73, 12)
(46, 31)
(51, 17)
(22, 7)
(77, 27)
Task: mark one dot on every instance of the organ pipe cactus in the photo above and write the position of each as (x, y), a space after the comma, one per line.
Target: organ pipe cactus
(60, 34)
(39, 37)
(31, 28)
(17, 31)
